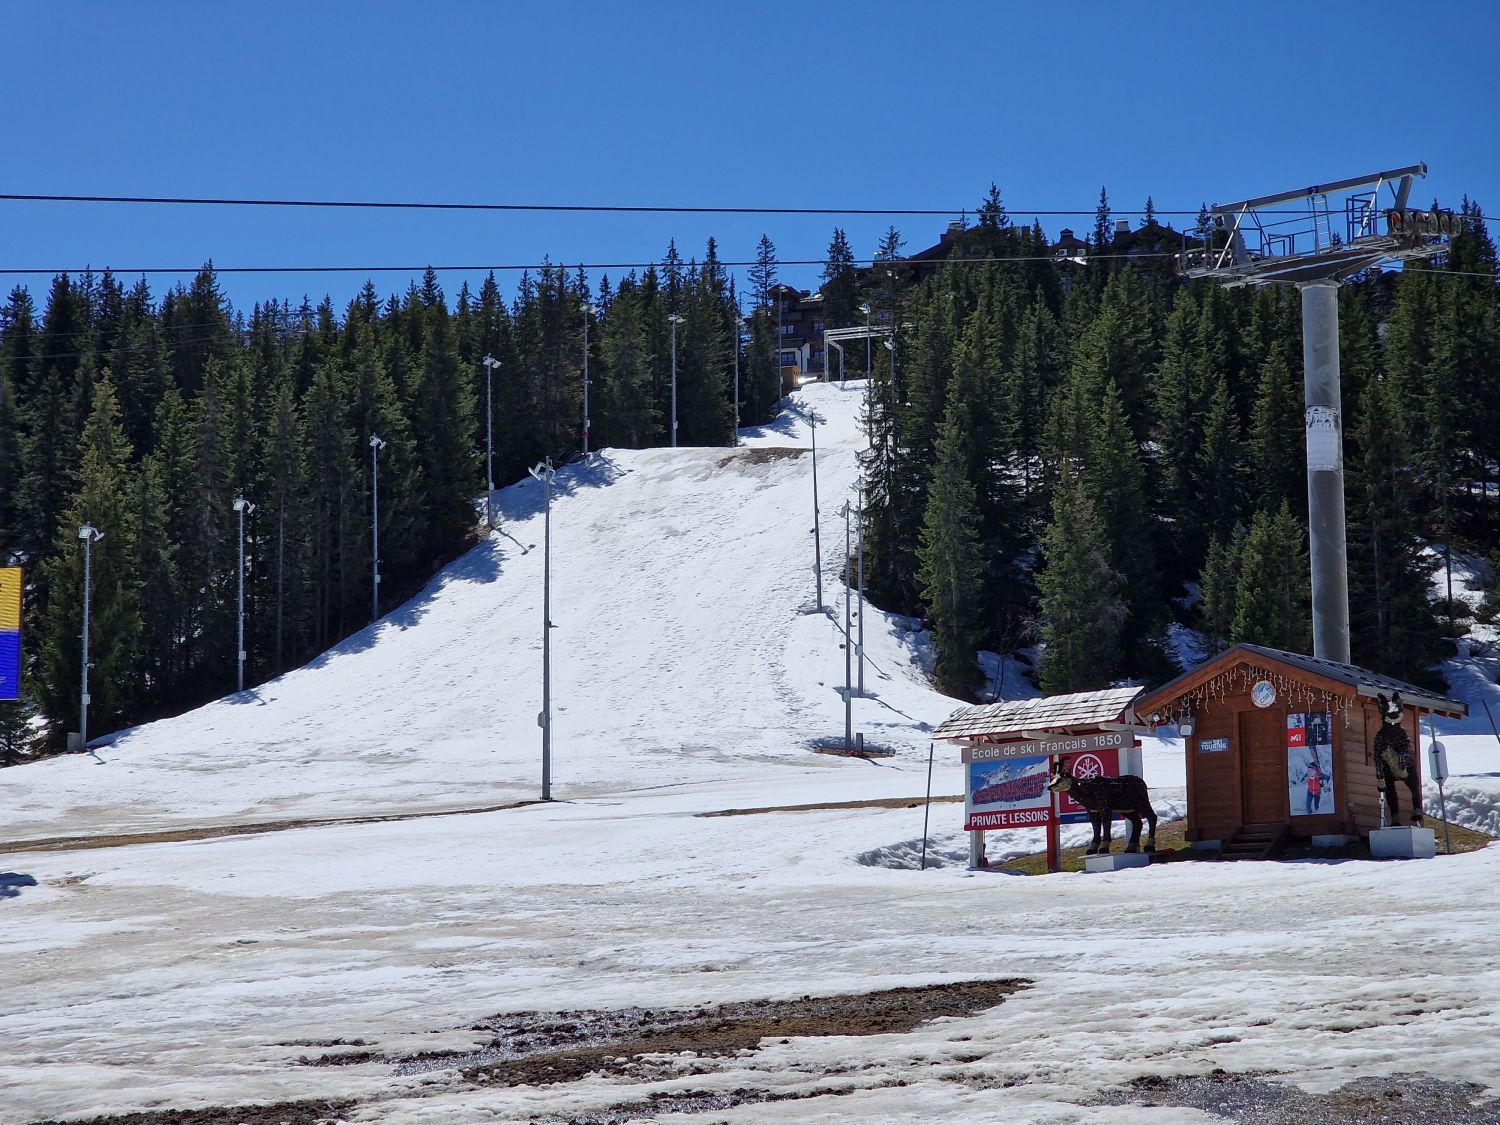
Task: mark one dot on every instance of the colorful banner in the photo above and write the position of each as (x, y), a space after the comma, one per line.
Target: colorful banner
(1309, 763)
(1009, 794)
(10, 632)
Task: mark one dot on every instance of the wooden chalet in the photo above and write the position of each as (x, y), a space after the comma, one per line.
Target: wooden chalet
(1279, 745)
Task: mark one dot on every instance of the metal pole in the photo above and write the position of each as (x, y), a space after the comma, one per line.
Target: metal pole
(676, 320)
(243, 507)
(490, 363)
(1325, 471)
(927, 808)
(848, 640)
(239, 640)
(547, 642)
(859, 547)
(544, 473)
(739, 317)
(812, 421)
(87, 533)
(586, 311)
(376, 445)
(869, 362)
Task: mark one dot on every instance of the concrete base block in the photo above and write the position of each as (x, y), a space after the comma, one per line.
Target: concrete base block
(1403, 843)
(1333, 841)
(1116, 862)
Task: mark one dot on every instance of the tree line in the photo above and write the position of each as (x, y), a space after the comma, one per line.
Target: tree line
(1083, 454)
(1094, 456)
(148, 418)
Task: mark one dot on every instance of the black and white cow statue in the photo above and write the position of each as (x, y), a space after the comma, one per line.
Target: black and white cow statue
(1103, 797)
(1394, 757)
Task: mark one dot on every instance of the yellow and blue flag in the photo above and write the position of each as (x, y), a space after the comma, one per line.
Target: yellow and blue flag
(10, 632)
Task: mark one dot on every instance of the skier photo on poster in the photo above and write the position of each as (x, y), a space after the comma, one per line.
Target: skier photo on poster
(1309, 763)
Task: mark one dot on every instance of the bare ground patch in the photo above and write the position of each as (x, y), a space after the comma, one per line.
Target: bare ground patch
(1252, 1100)
(282, 1113)
(541, 1048)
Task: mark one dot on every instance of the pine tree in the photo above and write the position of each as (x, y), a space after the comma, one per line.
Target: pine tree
(992, 214)
(1272, 597)
(1218, 586)
(952, 568)
(840, 283)
(102, 499)
(443, 430)
(1101, 222)
(763, 272)
(1276, 447)
(1081, 610)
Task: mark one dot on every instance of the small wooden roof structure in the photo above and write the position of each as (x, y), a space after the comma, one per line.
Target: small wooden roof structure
(1333, 682)
(1046, 714)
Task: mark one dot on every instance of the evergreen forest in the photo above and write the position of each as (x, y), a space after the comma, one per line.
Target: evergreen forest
(1069, 453)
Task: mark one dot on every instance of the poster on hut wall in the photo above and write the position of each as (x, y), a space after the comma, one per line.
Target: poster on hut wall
(1309, 763)
(1007, 794)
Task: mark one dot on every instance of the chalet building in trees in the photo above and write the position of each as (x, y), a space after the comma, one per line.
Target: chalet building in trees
(1068, 248)
(799, 323)
(1280, 746)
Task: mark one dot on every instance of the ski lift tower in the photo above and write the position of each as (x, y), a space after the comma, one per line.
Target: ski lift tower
(1334, 234)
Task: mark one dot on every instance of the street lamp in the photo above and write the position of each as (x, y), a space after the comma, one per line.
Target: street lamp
(848, 640)
(859, 548)
(739, 323)
(676, 320)
(546, 474)
(244, 508)
(865, 308)
(490, 363)
(588, 311)
(90, 535)
(376, 445)
(812, 425)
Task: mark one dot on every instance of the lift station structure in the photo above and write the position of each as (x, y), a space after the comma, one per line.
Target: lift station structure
(1334, 234)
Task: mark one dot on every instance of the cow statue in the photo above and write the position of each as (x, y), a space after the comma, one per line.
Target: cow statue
(1394, 757)
(1104, 796)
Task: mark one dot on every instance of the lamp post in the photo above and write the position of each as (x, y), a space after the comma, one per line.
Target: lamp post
(376, 445)
(812, 425)
(676, 320)
(739, 322)
(244, 508)
(588, 311)
(859, 548)
(865, 308)
(490, 363)
(546, 474)
(848, 640)
(90, 535)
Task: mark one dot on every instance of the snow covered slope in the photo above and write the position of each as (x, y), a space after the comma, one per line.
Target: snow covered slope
(685, 651)
(689, 678)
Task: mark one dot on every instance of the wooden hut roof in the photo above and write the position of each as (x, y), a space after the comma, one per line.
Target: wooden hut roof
(1044, 714)
(1330, 675)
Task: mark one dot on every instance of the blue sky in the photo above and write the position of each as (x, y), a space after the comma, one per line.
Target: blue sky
(877, 104)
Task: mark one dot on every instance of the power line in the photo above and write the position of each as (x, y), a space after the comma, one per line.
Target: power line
(540, 266)
(606, 208)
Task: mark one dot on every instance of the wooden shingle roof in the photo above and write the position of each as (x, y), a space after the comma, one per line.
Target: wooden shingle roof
(1045, 713)
(1317, 668)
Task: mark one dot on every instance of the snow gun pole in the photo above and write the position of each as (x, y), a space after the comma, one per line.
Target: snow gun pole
(927, 808)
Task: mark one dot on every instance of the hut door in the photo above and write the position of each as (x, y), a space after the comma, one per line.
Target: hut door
(1263, 767)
